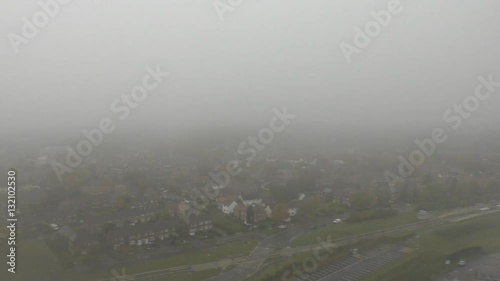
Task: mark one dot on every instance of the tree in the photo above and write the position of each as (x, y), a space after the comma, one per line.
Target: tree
(363, 200)
(182, 229)
(383, 198)
(135, 178)
(280, 212)
(284, 193)
(431, 197)
(122, 203)
(309, 207)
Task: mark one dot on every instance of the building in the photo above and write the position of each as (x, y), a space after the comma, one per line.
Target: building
(259, 213)
(228, 208)
(122, 218)
(198, 224)
(143, 235)
(293, 208)
(269, 211)
(240, 212)
(250, 199)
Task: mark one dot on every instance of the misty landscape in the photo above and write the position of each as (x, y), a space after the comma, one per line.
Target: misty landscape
(231, 140)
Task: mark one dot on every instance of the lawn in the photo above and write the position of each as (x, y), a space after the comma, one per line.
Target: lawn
(192, 276)
(34, 259)
(348, 229)
(203, 256)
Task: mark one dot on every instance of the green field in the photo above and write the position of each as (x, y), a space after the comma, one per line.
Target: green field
(34, 259)
(348, 229)
(437, 243)
(202, 256)
(194, 276)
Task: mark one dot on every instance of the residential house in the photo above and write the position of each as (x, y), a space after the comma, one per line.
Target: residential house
(259, 213)
(185, 210)
(269, 211)
(225, 203)
(122, 218)
(240, 212)
(228, 208)
(199, 223)
(250, 199)
(293, 209)
(145, 234)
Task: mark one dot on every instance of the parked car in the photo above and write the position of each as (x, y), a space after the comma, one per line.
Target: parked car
(337, 221)
(462, 263)
(282, 226)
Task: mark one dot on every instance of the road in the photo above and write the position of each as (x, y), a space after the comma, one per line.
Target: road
(251, 264)
(356, 268)
(267, 248)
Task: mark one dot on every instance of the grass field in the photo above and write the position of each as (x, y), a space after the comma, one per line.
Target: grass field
(34, 259)
(202, 256)
(349, 229)
(194, 276)
(437, 243)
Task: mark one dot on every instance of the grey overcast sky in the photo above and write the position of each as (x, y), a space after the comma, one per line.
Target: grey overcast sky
(264, 54)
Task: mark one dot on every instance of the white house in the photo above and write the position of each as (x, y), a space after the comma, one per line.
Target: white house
(269, 211)
(228, 209)
(218, 187)
(251, 199)
(292, 211)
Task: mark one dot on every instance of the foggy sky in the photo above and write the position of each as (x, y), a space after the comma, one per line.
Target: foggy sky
(230, 74)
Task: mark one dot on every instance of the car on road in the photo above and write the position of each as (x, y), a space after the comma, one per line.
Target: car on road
(462, 263)
(337, 221)
(282, 226)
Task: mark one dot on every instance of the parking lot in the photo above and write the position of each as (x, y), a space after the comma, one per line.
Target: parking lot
(356, 268)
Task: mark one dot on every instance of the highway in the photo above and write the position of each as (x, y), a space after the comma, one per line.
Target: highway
(270, 247)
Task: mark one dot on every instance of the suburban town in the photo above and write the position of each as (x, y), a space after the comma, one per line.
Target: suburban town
(231, 140)
(159, 209)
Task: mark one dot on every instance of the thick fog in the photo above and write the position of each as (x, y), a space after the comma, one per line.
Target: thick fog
(229, 72)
